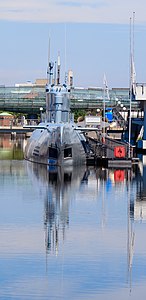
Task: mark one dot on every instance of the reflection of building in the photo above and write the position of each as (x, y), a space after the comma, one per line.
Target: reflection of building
(11, 149)
(138, 205)
(140, 210)
(5, 141)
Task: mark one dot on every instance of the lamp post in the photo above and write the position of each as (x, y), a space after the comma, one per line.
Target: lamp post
(116, 100)
(121, 106)
(41, 109)
(124, 109)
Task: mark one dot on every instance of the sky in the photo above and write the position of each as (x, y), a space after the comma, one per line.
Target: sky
(92, 36)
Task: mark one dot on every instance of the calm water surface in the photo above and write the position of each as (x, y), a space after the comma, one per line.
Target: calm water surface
(71, 234)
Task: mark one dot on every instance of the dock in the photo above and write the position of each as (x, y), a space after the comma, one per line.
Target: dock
(111, 153)
(102, 154)
(15, 129)
(112, 163)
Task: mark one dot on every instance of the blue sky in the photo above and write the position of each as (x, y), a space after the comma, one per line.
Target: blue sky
(97, 40)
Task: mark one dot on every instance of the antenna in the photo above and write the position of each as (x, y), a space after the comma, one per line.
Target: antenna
(49, 50)
(48, 70)
(55, 72)
(65, 56)
(50, 66)
(58, 68)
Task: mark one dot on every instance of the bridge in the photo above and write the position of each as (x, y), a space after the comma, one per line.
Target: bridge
(30, 99)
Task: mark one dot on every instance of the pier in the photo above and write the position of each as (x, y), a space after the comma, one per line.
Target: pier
(15, 129)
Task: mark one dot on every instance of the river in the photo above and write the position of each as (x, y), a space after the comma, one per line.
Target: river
(70, 234)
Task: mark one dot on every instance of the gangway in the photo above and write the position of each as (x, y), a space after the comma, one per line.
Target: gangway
(112, 153)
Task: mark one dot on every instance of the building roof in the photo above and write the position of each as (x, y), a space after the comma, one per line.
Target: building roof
(6, 114)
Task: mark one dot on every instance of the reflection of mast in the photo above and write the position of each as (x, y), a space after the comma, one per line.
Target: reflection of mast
(103, 204)
(105, 177)
(131, 233)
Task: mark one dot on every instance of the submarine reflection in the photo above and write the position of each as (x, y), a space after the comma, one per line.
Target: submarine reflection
(62, 185)
(59, 186)
(112, 214)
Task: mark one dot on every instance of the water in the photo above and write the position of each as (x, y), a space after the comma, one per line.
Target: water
(72, 234)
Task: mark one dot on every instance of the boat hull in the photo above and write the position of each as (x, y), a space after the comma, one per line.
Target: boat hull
(56, 144)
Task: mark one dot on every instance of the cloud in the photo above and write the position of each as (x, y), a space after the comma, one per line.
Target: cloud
(94, 11)
(92, 4)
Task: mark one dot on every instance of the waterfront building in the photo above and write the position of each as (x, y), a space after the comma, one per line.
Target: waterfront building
(6, 119)
(29, 97)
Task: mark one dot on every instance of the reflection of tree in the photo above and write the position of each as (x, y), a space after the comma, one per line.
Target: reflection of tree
(130, 228)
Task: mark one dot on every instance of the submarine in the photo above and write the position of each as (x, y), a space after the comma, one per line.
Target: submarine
(57, 140)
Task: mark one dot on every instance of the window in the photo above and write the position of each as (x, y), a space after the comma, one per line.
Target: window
(67, 152)
(53, 152)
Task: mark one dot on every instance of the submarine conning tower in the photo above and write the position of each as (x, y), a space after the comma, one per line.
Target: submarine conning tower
(57, 97)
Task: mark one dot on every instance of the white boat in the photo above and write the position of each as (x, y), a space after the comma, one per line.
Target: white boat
(57, 140)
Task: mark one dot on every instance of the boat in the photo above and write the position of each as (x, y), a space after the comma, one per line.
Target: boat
(57, 140)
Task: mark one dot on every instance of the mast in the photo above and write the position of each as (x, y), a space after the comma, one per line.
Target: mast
(130, 92)
(133, 34)
(132, 83)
